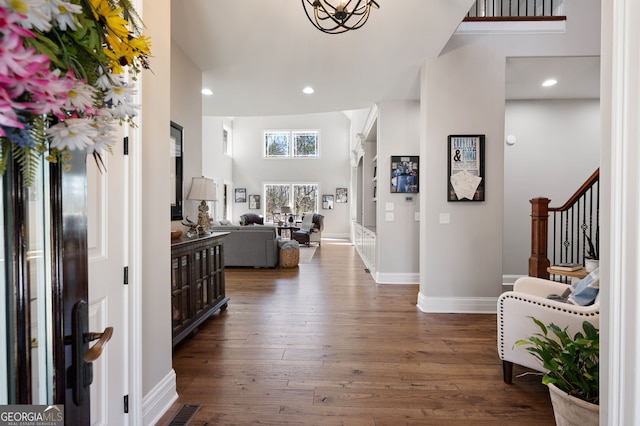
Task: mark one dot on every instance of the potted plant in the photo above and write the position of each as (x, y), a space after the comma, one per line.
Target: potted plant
(572, 376)
(592, 258)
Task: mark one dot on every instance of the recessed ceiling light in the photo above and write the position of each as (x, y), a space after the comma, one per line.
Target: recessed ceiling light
(549, 82)
(308, 90)
(207, 92)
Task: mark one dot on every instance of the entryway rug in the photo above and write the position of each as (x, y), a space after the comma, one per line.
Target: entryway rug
(306, 253)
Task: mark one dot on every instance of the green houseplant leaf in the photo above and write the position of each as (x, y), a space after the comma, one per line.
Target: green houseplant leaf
(573, 363)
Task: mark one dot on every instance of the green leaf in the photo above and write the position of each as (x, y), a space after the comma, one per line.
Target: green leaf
(572, 362)
(28, 160)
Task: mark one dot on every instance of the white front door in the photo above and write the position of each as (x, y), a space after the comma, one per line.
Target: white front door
(108, 302)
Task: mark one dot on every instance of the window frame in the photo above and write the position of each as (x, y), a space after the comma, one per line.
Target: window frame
(269, 218)
(291, 143)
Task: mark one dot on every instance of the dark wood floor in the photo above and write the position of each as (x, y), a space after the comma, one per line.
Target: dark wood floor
(322, 344)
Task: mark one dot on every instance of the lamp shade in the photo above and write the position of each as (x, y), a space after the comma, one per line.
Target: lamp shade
(285, 209)
(203, 189)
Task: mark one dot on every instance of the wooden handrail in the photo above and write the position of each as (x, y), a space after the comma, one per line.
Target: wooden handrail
(573, 238)
(579, 193)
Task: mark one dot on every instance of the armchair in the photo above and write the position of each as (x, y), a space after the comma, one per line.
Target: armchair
(310, 229)
(529, 299)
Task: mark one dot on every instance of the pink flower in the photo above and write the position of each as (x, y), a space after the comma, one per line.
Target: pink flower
(13, 56)
(9, 23)
(8, 116)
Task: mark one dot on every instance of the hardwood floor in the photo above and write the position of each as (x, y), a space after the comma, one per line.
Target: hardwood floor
(323, 344)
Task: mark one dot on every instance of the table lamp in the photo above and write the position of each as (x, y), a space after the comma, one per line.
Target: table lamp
(287, 210)
(203, 189)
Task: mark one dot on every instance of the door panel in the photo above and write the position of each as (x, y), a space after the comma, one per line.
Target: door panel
(106, 195)
(29, 379)
(69, 276)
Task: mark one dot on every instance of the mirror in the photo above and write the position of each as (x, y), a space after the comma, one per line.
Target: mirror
(175, 149)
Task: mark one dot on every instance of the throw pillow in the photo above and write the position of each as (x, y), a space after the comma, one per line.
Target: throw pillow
(585, 290)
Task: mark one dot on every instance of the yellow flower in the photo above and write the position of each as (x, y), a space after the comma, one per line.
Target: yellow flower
(111, 19)
(125, 52)
(140, 44)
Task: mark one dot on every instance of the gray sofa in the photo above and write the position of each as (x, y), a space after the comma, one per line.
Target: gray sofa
(250, 246)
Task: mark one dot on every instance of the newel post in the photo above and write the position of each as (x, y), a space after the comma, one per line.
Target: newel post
(538, 262)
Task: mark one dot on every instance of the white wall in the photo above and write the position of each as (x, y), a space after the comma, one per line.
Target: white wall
(158, 379)
(463, 92)
(397, 241)
(331, 170)
(216, 164)
(186, 110)
(557, 149)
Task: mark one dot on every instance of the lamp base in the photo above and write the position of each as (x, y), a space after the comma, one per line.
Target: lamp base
(204, 222)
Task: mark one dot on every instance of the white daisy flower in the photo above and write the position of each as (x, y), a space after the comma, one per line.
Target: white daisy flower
(74, 133)
(120, 94)
(104, 81)
(103, 123)
(65, 13)
(36, 12)
(81, 96)
(124, 111)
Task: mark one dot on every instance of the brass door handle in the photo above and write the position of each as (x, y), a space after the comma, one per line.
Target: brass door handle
(82, 356)
(95, 351)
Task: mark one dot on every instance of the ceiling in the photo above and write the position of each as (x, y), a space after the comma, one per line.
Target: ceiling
(258, 55)
(578, 77)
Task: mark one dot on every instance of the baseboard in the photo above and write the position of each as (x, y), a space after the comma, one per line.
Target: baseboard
(336, 235)
(159, 400)
(397, 278)
(458, 305)
(508, 280)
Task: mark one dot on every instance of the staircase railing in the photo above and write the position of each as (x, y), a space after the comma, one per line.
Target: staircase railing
(573, 224)
(495, 10)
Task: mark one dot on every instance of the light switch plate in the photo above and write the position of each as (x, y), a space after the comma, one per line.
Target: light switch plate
(416, 216)
(389, 207)
(389, 217)
(445, 218)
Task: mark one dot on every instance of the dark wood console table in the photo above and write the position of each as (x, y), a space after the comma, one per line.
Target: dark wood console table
(197, 282)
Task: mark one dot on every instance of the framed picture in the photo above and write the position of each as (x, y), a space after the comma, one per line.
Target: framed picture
(465, 179)
(404, 173)
(176, 145)
(327, 202)
(342, 195)
(254, 201)
(240, 195)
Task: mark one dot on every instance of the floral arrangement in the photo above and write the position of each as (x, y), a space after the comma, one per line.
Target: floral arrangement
(66, 73)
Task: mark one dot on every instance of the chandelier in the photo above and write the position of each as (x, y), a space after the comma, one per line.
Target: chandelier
(338, 19)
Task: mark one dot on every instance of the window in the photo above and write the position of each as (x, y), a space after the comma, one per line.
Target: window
(305, 144)
(291, 144)
(226, 140)
(277, 144)
(302, 198)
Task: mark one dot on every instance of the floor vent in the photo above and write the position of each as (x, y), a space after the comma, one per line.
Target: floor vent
(184, 415)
